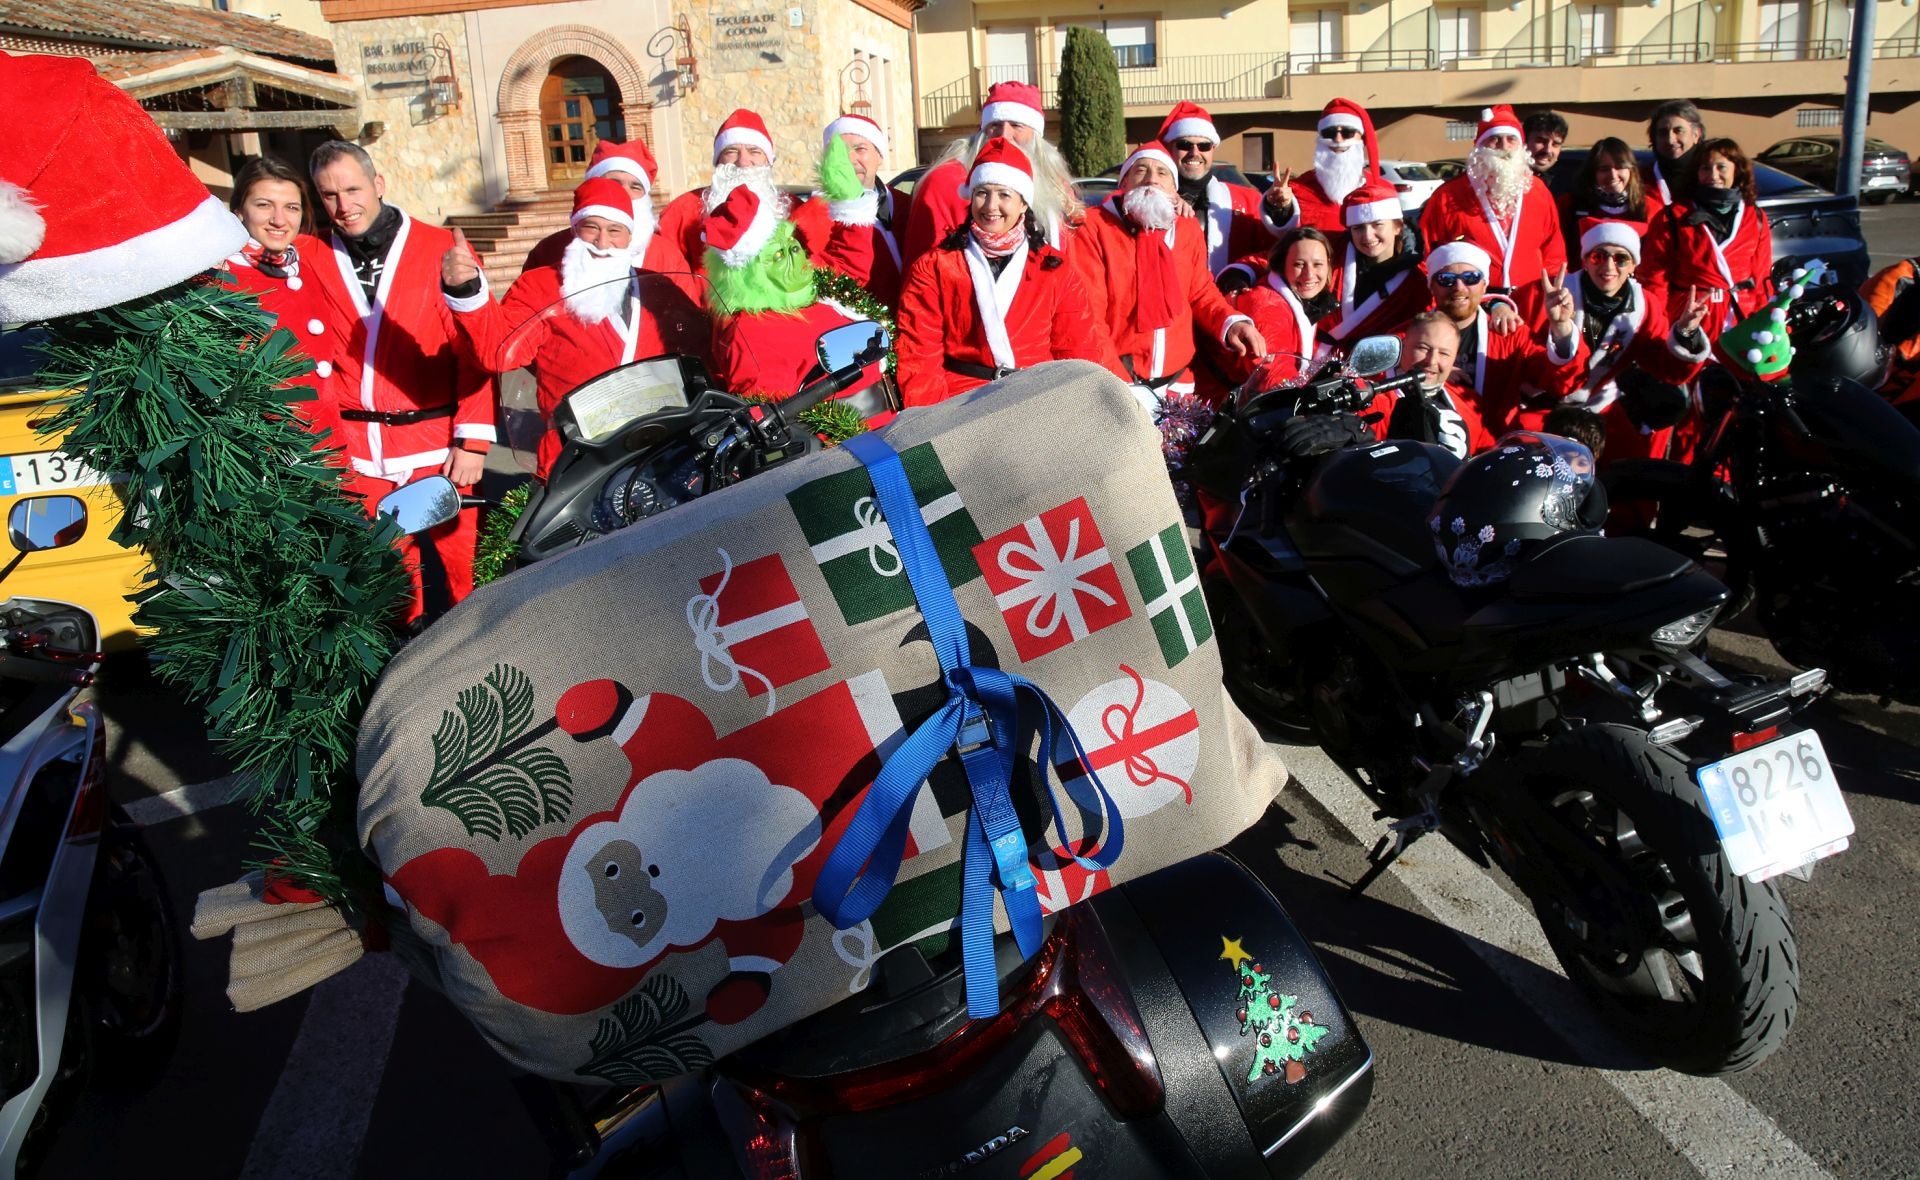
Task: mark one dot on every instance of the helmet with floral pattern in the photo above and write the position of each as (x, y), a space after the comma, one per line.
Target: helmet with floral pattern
(1504, 501)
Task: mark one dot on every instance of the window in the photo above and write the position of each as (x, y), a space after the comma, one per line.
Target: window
(1009, 55)
(1457, 34)
(1783, 23)
(1817, 117)
(1256, 151)
(1459, 132)
(1316, 36)
(1597, 22)
(1131, 38)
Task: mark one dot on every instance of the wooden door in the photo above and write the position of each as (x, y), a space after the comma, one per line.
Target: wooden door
(579, 105)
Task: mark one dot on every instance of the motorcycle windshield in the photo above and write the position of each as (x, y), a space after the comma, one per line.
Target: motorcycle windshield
(598, 357)
(1276, 370)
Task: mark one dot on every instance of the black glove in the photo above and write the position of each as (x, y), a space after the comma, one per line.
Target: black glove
(1316, 434)
(1650, 403)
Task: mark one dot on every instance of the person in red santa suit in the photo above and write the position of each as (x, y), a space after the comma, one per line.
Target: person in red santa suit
(603, 323)
(1509, 212)
(414, 400)
(1607, 188)
(1146, 275)
(1495, 368)
(270, 199)
(940, 202)
(1230, 213)
(633, 167)
(741, 142)
(1296, 294)
(863, 242)
(1345, 156)
(1720, 243)
(994, 296)
(1624, 330)
(1380, 277)
(1439, 409)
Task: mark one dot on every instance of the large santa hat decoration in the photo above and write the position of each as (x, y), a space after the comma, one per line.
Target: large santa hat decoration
(859, 125)
(740, 224)
(743, 127)
(632, 159)
(602, 196)
(1344, 112)
(1004, 162)
(1375, 200)
(1188, 120)
(75, 236)
(1014, 102)
(1498, 120)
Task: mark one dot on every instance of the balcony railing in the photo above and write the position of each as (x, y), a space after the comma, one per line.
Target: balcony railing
(1751, 51)
(1898, 47)
(1160, 81)
(1365, 61)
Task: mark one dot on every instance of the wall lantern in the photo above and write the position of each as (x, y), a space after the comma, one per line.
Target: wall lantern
(443, 85)
(675, 41)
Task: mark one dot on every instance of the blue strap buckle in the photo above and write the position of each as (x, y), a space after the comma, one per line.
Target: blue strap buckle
(976, 731)
(1010, 856)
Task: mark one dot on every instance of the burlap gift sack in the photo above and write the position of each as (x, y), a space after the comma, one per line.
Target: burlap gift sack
(604, 786)
(280, 947)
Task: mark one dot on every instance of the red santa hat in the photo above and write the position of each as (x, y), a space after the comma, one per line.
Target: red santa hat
(1151, 151)
(743, 127)
(634, 159)
(603, 196)
(1344, 112)
(1188, 120)
(1004, 162)
(1375, 200)
(1014, 102)
(1595, 234)
(859, 125)
(75, 236)
(1498, 120)
(742, 222)
(1451, 253)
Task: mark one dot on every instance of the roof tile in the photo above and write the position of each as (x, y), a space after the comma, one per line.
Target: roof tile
(163, 25)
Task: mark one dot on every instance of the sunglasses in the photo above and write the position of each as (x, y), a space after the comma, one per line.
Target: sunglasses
(1191, 145)
(1617, 257)
(1340, 133)
(1453, 278)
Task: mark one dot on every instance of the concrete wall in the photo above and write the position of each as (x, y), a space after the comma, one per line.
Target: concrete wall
(430, 158)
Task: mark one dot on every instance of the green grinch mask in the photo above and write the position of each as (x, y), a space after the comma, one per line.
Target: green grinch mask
(778, 279)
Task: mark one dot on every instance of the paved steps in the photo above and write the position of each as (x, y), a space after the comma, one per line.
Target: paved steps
(505, 236)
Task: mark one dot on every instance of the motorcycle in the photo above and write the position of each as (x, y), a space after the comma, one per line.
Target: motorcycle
(1810, 487)
(1123, 1048)
(89, 967)
(1484, 666)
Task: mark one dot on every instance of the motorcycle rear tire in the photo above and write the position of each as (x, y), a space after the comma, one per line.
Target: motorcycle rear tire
(130, 962)
(1748, 992)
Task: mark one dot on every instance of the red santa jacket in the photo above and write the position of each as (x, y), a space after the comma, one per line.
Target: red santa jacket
(296, 304)
(1236, 227)
(1311, 207)
(1675, 256)
(1276, 311)
(861, 240)
(684, 222)
(1639, 337)
(1505, 370)
(1106, 260)
(1404, 296)
(771, 353)
(1038, 301)
(403, 353)
(1462, 427)
(1526, 247)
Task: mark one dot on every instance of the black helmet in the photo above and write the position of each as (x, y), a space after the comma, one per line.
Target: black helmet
(1837, 336)
(1502, 502)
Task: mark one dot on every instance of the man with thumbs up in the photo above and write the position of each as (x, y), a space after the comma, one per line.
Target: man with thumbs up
(414, 401)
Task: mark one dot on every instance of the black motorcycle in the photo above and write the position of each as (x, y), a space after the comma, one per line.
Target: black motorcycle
(1136, 1043)
(1485, 664)
(1810, 489)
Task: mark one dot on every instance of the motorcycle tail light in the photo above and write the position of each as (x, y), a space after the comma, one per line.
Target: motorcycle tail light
(1759, 737)
(765, 1133)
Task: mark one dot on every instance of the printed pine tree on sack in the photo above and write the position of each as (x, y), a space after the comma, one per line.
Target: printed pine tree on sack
(645, 1037)
(854, 547)
(1170, 585)
(1282, 1036)
(486, 769)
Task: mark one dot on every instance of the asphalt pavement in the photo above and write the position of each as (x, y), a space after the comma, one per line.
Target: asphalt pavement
(1489, 1064)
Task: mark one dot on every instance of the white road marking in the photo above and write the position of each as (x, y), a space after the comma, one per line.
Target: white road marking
(1715, 1129)
(316, 1120)
(184, 801)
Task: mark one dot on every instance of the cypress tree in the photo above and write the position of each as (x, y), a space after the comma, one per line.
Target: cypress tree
(1093, 125)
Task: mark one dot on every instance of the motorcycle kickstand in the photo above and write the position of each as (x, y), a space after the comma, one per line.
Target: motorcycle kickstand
(1382, 857)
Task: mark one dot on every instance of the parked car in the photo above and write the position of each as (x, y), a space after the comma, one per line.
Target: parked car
(1447, 169)
(1414, 181)
(906, 180)
(1885, 170)
(1808, 222)
(1094, 190)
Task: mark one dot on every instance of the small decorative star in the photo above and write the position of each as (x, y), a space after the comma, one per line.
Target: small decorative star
(1231, 951)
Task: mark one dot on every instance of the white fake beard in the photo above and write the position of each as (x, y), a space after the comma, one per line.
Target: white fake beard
(1148, 206)
(1502, 177)
(587, 279)
(1339, 172)
(727, 177)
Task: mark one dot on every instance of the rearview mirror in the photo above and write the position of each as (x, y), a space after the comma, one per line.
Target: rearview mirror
(422, 504)
(837, 349)
(46, 522)
(1375, 355)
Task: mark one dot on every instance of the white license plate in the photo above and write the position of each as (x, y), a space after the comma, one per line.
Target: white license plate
(47, 471)
(1883, 182)
(1777, 806)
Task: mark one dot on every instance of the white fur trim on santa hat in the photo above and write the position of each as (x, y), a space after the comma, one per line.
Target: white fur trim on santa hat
(625, 165)
(617, 216)
(1449, 253)
(21, 227)
(1151, 152)
(745, 135)
(856, 125)
(1012, 112)
(1486, 113)
(1196, 128)
(1339, 119)
(1611, 233)
(1374, 211)
(992, 172)
(861, 210)
(43, 288)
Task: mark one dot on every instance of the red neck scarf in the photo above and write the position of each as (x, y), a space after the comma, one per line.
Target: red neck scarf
(1157, 280)
(1001, 244)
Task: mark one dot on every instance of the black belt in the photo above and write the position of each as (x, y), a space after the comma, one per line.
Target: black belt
(983, 372)
(398, 417)
(1154, 383)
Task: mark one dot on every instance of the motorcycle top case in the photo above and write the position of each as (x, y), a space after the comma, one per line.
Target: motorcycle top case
(603, 787)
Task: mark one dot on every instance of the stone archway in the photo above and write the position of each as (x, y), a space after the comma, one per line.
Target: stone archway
(519, 97)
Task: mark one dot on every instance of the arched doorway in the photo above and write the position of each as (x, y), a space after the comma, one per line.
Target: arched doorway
(579, 106)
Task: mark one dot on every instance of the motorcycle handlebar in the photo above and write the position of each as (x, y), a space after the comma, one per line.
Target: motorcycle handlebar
(14, 667)
(836, 382)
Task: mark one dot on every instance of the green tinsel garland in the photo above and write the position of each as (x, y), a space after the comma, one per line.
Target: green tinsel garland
(831, 284)
(270, 593)
(834, 421)
(494, 549)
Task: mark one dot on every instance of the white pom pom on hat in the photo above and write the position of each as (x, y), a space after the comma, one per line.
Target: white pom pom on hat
(21, 227)
(1753, 355)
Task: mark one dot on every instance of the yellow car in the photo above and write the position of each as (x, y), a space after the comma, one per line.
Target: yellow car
(95, 572)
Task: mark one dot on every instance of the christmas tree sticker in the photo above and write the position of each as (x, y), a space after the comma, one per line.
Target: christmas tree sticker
(1761, 343)
(1283, 1033)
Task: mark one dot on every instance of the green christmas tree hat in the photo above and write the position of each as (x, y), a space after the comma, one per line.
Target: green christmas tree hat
(1760, 343)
